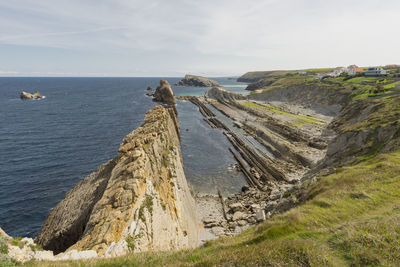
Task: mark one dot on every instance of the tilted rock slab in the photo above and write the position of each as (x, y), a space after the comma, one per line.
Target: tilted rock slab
(223, 95)
(138, 201)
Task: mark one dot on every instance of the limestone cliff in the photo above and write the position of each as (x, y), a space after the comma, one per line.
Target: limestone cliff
(197, 81)
(164, 93)
(138, 201)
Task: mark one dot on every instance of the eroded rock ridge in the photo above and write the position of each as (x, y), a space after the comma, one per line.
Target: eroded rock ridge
(138, 201)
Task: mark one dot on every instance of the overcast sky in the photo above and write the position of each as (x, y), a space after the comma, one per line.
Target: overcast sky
(206, 37)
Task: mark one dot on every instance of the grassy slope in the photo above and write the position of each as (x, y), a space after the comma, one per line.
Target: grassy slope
(361, 87)
(301, 119)
(5, 260)
(256, 75)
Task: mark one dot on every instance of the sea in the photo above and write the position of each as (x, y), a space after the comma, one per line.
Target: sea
(47, 146)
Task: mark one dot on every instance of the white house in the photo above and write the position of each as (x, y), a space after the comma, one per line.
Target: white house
(354, 70)
(376, 71)
(338, 71)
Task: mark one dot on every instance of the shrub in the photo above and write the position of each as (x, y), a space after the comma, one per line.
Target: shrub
(148, 204)
(3, 246)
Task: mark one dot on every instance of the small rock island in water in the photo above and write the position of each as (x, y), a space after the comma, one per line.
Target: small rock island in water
(197, 81)
(24, 95)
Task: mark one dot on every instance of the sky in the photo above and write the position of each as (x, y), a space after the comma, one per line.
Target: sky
(141, 38)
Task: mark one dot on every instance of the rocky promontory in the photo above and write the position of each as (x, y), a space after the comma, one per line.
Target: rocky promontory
(138, 201)
(197, 81)
(25, 95)
(164, 93)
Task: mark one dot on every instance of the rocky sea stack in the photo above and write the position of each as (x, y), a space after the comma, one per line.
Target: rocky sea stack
(164, 93)
(197, 81)
(138, 201)
(25, 95)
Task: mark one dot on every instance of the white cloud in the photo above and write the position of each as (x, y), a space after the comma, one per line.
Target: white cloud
(220, 36)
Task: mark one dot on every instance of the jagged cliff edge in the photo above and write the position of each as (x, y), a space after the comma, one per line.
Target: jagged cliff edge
(138, 201)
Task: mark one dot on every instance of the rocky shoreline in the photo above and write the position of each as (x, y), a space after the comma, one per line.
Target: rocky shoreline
(274, 156)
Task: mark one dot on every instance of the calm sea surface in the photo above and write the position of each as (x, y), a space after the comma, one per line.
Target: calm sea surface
(48, 145)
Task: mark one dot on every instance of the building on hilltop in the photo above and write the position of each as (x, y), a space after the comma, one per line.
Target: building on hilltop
(338, 71)
(376, 71)
(354, 71)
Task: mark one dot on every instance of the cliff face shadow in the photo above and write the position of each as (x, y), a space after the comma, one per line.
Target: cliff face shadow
(70, 226)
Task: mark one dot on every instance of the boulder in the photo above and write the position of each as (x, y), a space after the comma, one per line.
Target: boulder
(218, 231)
(260, 216)
(117, 249)
(164, 93)
(149, 89)
(236, 206)
(209, 223)
(45, 255)
(25, 95)
(197, 81)
(242, 222)
(238, 216)
(245, 188)
(20, 254)
(77, 255)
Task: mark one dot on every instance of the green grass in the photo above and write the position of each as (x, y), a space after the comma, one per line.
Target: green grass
(301, 119)
(316, 70)
(5, 260)
(18, 242)
(384, 111)
(3, 246)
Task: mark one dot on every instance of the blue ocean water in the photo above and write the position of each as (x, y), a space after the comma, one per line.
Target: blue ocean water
(48, 145)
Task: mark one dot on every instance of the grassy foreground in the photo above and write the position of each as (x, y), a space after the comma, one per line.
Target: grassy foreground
(350, 218)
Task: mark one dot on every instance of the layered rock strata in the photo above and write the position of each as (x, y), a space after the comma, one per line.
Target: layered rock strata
(197, 81)
(138, 201)
(273, 150)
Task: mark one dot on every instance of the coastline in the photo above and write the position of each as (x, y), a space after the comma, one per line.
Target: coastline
(274, 169)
